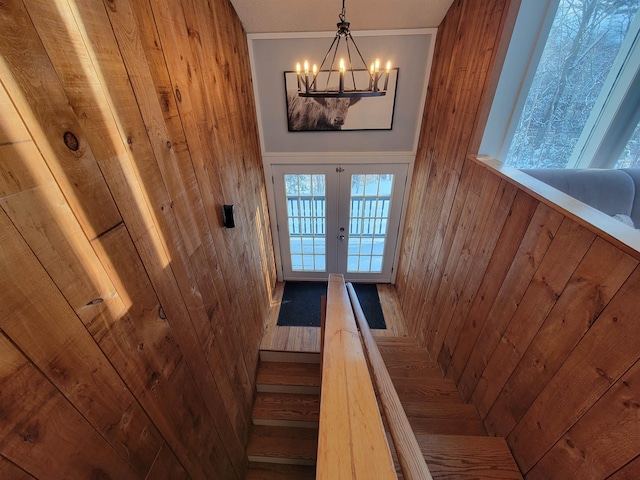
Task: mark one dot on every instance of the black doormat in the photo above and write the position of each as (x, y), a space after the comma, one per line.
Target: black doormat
(301, 304)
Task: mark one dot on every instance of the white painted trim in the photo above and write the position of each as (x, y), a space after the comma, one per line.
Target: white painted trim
(274, 158)
(329, 34)
(271, 206)
(423, 97)
(256, 100)
(403, 217)
(357, 33)
(343, 159)
(338, 157)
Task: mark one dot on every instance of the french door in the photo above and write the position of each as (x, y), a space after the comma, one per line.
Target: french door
(338, 219)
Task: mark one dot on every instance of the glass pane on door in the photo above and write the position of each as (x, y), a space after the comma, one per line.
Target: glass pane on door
(370, 204)
(306, 217)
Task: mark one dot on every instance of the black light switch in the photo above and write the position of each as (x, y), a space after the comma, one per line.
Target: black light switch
(227, 216)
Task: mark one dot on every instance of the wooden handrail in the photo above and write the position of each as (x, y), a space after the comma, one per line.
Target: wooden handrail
(412, 462)
(351, 439)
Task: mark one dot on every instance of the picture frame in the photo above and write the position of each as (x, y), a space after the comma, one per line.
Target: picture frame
(305, 114)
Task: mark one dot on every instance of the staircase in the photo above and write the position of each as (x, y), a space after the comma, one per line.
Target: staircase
(284, 439)
(450, 433)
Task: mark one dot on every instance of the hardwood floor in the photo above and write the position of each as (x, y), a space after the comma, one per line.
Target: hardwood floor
(307, 339)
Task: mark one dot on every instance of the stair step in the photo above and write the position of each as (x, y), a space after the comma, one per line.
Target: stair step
(294, 357)
(448, 411)
(284, 440)
(451, 426)
(419, 371)
(405, 354)
(286, 409)
(462, 457)
(410, 362)
(274, 471)
(286, 377)
(433, 390)
(284, 445)
(396, 341)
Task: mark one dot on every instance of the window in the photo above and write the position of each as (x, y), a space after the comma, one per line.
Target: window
(579, 100)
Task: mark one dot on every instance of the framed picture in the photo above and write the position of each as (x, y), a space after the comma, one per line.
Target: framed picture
(308, 114)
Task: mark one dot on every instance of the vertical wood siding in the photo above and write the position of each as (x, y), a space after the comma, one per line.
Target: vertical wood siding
(130, 319)
(533, 314)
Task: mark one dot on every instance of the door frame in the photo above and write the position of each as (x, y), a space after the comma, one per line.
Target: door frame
(331, 217)
(343, 159)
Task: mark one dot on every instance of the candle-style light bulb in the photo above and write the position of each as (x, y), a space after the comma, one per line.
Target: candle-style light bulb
(298, 75)
(315, 73)
(377, 75)
(306, 76)
(386, 78)
(342, 69)
(372, 69)
(306, 67)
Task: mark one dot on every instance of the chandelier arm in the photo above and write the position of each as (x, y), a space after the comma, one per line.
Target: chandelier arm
(358, 50)
(333, 59)
(313, 83)
(353, 76)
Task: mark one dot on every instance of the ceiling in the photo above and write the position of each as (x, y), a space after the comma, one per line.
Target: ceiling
(271, 16)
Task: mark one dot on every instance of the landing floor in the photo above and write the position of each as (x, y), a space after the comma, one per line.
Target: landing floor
(307, 339)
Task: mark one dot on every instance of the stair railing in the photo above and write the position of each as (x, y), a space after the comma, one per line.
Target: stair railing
(408, 451)
(351, 440)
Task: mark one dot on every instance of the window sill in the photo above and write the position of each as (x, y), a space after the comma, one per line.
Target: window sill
(612, 230)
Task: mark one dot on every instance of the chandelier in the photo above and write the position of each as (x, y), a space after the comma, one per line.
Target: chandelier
(317, 82)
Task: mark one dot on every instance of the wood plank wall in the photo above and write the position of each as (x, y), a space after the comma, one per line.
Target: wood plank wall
(532, 313)
(130, 319)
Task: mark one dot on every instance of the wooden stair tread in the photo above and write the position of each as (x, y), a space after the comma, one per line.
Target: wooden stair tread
(468, 457)
(453, 439)
(457, 411)
(276, 471)
(433, 390)
(422, 373)
(292, 357)
(286, 409)
(406, 341)
(288, 373)
(450, 426)
(415, 363)
(409, 360)
(275, 444)
(404, 352)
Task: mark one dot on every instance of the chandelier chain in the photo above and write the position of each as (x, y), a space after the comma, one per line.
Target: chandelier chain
(308, 86)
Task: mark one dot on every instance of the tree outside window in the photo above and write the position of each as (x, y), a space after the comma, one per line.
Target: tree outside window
(582, 46)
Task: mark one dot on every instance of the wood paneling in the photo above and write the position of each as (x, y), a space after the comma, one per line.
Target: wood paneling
(41, 430)
(125, 307)
(530, 306)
